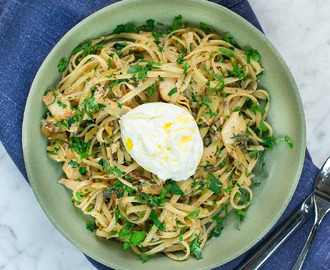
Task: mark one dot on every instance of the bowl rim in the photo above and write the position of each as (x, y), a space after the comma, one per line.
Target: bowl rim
(295, 90)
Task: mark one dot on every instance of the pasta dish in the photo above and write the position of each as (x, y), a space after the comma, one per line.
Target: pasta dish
(209, 77)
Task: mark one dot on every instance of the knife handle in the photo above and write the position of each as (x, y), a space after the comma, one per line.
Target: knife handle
(259, 256)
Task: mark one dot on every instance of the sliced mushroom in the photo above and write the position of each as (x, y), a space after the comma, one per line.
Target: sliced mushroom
(113, 108)
(48, 127)
(234, 127)
(152, 189)
(146, 186)
(58, 106)
(108, 194)
(71, 172)
(73, 185)
(51, 131)
(99, 91)
(165, 87)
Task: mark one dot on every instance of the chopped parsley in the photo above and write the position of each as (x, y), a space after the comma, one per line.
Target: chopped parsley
(78, 195)
(214, 184)
(142, 71)
(79, 146)
(227, 52)
(254, 54)
(206, 99)
(214, 75)
(144, 257)
(114, 169)
(91, 226)
(73, 164)
(82, 170)
(151, 24)
(182, 55)
(216, 232)
(181, 232)
(117, 213)
(240, 215)
(271, 141)
(238, 72)
(253, 107)
(126, 245)
(173, 188)
(125, 232)
(196, 248)
(151, 89)
(119, 46)
(117, 81)
(89, 106)
(137, 237)
(88, 48)
(156, 221)
(62, 105)
(173, 91)
(185, 68)
(194, 214)
(206, 27)
(157, 35)
(253, 153)
(67, 123)
(228, 38)
(121, 28)
(62, 65)
(263, 127)
(176, 23)
(160, 48)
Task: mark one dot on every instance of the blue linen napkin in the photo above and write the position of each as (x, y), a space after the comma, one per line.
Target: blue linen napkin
(29, 29)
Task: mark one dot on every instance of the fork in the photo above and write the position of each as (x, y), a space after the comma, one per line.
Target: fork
(321, 198)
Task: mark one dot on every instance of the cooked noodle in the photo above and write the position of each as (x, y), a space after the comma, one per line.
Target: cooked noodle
(107, 77)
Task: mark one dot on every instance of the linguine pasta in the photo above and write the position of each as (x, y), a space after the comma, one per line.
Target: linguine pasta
(207, 75)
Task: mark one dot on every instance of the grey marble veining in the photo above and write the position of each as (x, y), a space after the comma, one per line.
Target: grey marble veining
(300, 30)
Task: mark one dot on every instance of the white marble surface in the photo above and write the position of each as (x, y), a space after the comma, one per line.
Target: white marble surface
(301, 32)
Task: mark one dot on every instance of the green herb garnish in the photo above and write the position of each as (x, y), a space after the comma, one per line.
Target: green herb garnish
(206, 27)
(196, 248)
(173, 188)
(62, 65)
(214, 184)
(137, 237)
(156, 221)
(144, 257)
(174, 90)
(91, 226)
(194, 214)
(254, 54)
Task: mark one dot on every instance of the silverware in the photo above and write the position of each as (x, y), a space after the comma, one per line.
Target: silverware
(321, 198)
(278, 237)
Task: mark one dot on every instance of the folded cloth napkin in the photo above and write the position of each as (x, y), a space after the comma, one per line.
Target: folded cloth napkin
(28, 31)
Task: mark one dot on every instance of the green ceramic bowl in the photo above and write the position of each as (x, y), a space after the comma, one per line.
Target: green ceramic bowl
(283, 165)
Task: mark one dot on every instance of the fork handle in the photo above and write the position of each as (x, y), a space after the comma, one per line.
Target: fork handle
(300, 261)
(277, 238)
(321, 209)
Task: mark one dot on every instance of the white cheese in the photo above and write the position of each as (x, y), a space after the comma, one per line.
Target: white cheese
(164, 139)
